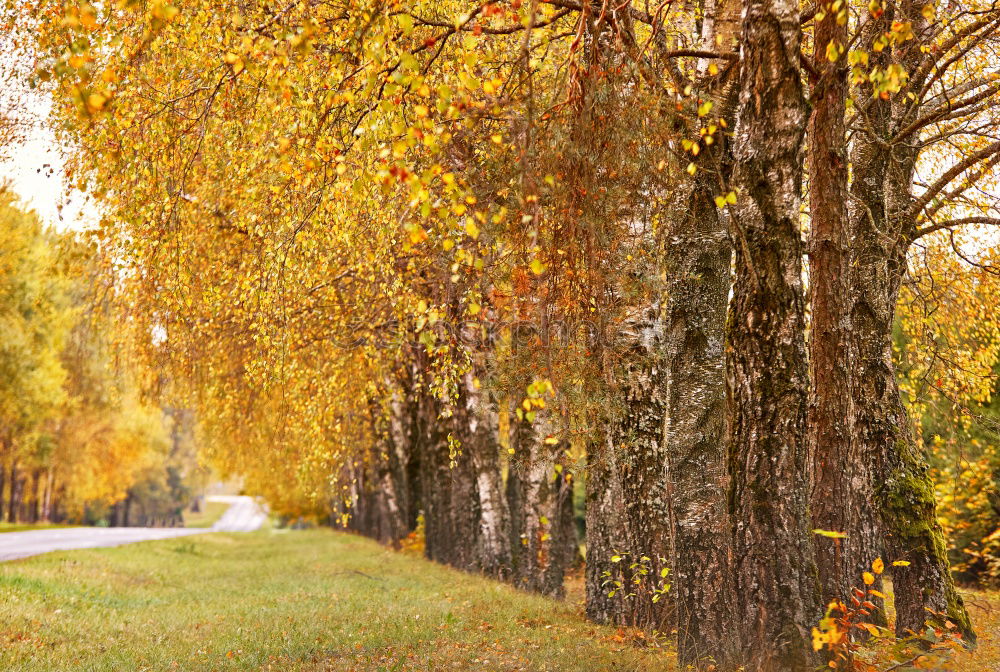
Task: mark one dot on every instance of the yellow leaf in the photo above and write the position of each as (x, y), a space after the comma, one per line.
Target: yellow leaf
(901, 563)
(471, 228)
(537, 267)
(832, 51)
(96, 101)
(872, 630)
(868, 578)
(819, 639)
(692, 169)
(829, 533)
(878, 566)
(704, 108)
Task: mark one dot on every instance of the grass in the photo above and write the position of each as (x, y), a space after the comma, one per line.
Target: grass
(297, 601)
(309, 601)
(25, 527)
(210, 513)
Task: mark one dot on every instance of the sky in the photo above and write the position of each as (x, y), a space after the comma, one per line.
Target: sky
(34, 169)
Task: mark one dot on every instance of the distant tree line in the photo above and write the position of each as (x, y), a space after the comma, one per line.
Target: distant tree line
(77, 443)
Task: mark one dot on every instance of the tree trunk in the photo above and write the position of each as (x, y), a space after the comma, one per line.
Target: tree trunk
(603, 530)
(448, 491)
(39, 496)
(14, 504)
(435, 476)
(118, 514)
(840, 473)
(776, 593)
(698, 257)
(47, 497)
(383, 480)
(539, 495)
(635, 435)
(402, 423)
(899, 482)
(392, 522)
(477, 423)
(3, 482)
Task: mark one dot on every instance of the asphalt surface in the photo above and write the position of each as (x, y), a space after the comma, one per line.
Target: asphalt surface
(243, 515)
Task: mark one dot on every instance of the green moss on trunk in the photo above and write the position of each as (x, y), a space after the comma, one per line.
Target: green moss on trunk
(909, 509)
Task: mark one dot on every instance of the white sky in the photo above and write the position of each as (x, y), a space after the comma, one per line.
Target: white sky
(34, 169)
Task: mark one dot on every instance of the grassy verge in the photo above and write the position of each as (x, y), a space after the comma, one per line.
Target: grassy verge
(210, 512)
(308, 601)
(25, 527)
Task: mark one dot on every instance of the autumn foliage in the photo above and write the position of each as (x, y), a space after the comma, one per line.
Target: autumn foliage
(722, 270)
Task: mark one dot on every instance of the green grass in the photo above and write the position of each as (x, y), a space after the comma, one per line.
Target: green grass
(272, 600)
(25, 527)
(210, 513)
(309, 601)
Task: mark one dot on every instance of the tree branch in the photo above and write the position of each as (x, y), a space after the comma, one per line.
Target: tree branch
(950, 175)
(952, 223)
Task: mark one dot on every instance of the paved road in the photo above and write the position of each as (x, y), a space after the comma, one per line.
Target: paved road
(243, 515)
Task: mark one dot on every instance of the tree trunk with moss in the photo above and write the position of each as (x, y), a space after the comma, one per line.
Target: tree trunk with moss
(900, 485)
(882, 230)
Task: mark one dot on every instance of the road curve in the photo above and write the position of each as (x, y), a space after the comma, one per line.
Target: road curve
(243, 515)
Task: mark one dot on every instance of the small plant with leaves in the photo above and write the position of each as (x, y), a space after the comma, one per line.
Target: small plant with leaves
(636, 578)
(849, 640)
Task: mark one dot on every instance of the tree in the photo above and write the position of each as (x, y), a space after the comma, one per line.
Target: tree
(319, 214)
(776, 583)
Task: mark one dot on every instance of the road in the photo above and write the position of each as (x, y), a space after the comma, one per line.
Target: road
(243, 515)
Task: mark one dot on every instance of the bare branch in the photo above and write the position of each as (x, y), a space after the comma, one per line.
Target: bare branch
(952, 223)
(950, 175)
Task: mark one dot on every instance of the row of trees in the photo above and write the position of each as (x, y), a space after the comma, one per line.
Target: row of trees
(77, 443)
(446, 259)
